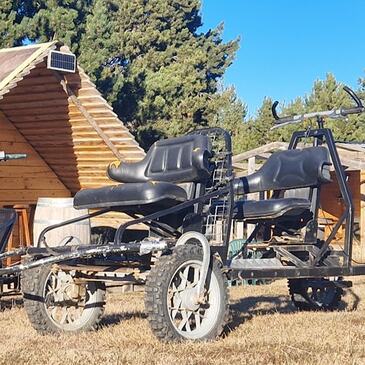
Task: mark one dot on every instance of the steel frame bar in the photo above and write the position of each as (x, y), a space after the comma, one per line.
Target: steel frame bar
(294, 272)
(348, 215)
(41, 238)
(45, 256)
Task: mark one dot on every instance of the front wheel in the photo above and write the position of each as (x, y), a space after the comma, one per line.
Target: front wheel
(170, 286)
(55, 301)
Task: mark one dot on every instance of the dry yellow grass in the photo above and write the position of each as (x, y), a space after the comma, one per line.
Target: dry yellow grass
(265, 329)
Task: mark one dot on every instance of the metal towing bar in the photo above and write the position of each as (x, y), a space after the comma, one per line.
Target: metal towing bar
(45, 256)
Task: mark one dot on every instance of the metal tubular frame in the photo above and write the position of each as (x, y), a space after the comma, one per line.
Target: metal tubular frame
(348, 214)
(42, 239)
(152, 217)
(48, 255)
(317, 266)
(64, 253)
(93, 250)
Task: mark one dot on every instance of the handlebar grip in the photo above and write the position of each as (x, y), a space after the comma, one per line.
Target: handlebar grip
(283, 120)
(356, 110)
(15, 156)
(353, 96)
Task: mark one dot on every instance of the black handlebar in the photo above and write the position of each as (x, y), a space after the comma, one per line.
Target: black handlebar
(273, 110)
(353, 96)
(342, 112)
(348, 111)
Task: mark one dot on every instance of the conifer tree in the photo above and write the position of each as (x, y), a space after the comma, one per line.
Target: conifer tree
(42, 21)
(325, 95)
(10, 32)
(329, 94)
(159, 72)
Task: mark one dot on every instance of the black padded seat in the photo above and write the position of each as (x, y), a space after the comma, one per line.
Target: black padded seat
(174, 160)
(161, 195)
(290, 169)
(270, 209)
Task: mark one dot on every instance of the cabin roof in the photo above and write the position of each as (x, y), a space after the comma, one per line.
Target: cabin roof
(63, 117)
(17, 62)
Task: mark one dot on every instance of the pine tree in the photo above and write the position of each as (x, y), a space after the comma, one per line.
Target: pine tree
(329, 94)
(257, 130)
(100, 40)
(359, 134)
(10, 32)
(325, 95)
(227, 111)
(157, 70)
(42, 21)
(148, 58)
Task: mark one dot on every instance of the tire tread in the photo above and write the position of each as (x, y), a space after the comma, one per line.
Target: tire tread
(32, 282)
(158, 278)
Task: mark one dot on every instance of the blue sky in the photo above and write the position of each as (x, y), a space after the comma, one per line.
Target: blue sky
(286, 44)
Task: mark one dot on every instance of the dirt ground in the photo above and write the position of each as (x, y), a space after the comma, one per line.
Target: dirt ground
(265, 329)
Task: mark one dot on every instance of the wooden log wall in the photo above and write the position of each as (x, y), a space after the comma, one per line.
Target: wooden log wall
(23, 181)
(58, 130)
(70, 133)
(332, 205)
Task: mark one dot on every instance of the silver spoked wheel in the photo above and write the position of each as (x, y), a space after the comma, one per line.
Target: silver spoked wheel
(174, 308)
(66, 302)
(55, 301)
(192, 318)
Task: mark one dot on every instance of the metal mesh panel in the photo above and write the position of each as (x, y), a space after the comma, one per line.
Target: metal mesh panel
(217, 209)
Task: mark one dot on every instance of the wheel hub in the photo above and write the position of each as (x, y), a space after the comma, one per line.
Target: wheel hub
(190, 299)
(65, 299)
(74, 291)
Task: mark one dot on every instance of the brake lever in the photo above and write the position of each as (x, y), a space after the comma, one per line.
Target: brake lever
(353, 96)
(273, 110)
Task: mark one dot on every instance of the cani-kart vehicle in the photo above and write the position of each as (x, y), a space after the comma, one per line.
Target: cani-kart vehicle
(186, 192)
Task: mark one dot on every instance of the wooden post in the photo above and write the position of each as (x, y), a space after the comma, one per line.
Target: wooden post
(250, 170)
(239, 230)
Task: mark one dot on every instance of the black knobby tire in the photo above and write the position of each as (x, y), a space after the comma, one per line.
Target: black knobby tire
(34, 282)
(157, 292)
(304, 297)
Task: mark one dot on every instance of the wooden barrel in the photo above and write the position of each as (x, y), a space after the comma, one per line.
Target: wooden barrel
(51, 211)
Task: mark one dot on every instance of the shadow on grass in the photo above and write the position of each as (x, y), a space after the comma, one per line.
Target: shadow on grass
(116, 318)
(245, 309)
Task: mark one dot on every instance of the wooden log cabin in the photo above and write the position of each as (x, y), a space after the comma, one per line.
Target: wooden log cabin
(352, 156)
(62, 123)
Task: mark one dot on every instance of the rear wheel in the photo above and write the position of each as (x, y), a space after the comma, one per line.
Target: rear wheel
(55, 301)
(315, 294)
(170, 287)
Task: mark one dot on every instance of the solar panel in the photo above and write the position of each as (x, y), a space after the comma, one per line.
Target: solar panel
(60, 61)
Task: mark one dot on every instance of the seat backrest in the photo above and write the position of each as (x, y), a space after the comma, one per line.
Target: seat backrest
(290, 169)
(7, 220)
(176, 160)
